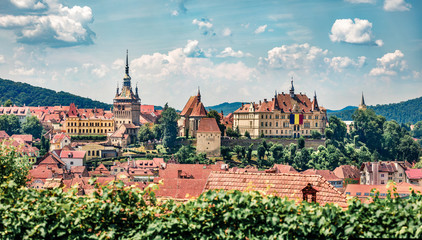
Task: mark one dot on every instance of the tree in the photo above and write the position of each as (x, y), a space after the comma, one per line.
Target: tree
(369, 128)
(417, 130)
(157, 131)
(145, 134)
(8, 103)
(225, 153)
(247, 135)
(45, 145)
(301, 142)
(315, 135)
(392, 134)
(169, 122)
(32, 126)
(231, 133)
(214, 114)
(13, 167)
(408, 149)
(10, 124)
(339, 129)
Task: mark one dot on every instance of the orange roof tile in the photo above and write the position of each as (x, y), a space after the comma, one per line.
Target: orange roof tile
(208, 125)
(283, 185)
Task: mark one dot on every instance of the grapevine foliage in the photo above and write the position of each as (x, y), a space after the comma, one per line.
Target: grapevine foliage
(118, 212)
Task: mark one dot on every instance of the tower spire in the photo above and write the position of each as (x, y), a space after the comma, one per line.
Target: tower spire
(292, 90)
(127, 63)
(362, 104)
(199, 95)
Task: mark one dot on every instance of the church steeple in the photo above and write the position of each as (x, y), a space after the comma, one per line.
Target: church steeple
(136, 90)
(362, 104)
(199, 95)
(117, 89)
(292, 90)
(126, 79)
(315, 106)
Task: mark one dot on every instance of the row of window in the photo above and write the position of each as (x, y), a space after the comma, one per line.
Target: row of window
(286, 116)
(283, 132)
(285, 124)
(91, 124)
(72, 130)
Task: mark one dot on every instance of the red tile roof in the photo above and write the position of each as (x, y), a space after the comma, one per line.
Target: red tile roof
(327, 174)
(363, 191)
(24, 137)
(72, 154)
(208, 125)
(347, 171)
(282, 102)
(187, 110)
(3, 134)
(199, 110)
(414, 174)
(283, 185)
(281, 168)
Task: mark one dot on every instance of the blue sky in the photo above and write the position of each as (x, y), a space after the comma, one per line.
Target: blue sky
(233, 50)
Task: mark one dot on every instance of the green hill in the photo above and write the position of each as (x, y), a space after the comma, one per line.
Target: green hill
(225, 107)
(409, 111)
(23, 93)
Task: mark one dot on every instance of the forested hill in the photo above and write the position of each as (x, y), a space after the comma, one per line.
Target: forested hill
(23, 93)
(225, 107)
(409, 111)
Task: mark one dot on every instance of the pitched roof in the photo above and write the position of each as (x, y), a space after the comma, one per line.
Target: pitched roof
(73, 111)
(208, 125)
(283, 185)
(327, 174)
(24, 137)
(414, 174)
(187, 110)
(3, 134)
(283, 102)
(199, 110)
(281, 168)
(347, 171)
(72, 154)
(100, 170)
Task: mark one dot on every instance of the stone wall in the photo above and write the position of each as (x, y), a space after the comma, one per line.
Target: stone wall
(309, 143)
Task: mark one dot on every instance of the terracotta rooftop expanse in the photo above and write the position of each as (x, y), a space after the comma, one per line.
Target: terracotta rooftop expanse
(327, 174)
(288, 185)
(414, 173)
(347, 171)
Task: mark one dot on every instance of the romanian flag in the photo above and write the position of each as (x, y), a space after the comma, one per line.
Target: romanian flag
(296, 119)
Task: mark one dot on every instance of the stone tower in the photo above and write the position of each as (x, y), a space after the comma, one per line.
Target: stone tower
(362, 105)
(126, 103)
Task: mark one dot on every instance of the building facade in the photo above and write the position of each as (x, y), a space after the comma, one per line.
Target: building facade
(126, 103)
(77, 124)
(208, 138)
(289, 115)
(379, 173)
(191, 116)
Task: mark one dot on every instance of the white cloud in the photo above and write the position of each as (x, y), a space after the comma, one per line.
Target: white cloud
(246, 26)
(389, 64)
(361, 1)
(56, 26)
(118, 64)
(295, 56)
(100, 71)
(71, 70)
(22, 71)
(379, 42)
(261, 29)
(396, 5)
(338, 64)
(229, 52)
(179, 63)
(227, 32)
(193, 50)
(358, 31)
(28, 4)
(2, 59)
(175, 13)
(205, 25)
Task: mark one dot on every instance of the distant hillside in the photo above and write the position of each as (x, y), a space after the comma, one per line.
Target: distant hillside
(23, 93)
(343, 109)
(402, 112)
(225, 107)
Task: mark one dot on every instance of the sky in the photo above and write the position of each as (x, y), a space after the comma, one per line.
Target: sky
(232, 50)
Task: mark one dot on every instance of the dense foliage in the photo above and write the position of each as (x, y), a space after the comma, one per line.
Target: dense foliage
(128, 213)
(11, 125)
(404, 112)
(168, 122)
(25, 94)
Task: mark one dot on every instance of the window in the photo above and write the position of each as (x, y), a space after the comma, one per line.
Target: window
(382, 182)
(266, 124)
(366, 194)
(307, 125)
(266, 116)
(262, 124)
(401, 175)
(270, 116)
(276, 124)
(276, 131)
(276, 116)
(382, 174)
(71, 163)
(270, 124)
(316, 124)
(347, 193)
(358, 194)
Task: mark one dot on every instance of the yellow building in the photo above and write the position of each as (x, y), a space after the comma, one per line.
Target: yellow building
(76, 124)
(287, 115)
(98, 151)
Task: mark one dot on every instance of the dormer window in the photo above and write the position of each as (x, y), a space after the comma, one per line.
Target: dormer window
(309, 193)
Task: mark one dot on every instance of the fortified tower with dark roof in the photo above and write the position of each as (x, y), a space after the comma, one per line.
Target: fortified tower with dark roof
(126, 103)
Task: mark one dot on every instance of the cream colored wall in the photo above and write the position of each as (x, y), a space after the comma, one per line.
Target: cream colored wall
(277, 124)
(76, 126)
(92, 150)
(208, 143)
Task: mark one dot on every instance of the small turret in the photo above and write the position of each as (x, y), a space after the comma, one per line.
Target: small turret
(292, 90)
(362, 105)
(199, 95)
